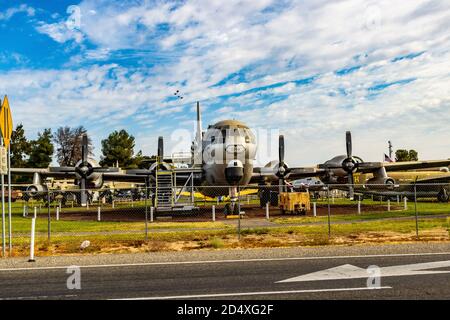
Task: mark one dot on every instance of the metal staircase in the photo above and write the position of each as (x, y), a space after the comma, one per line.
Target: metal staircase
(164, 189)
(172, 197)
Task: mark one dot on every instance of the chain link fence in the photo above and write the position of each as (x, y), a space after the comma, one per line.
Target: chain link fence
(115, 220)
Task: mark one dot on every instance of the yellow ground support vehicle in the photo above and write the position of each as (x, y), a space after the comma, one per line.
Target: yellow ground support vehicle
(295, 202)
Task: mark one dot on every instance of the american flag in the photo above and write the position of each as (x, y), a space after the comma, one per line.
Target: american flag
(387, 159)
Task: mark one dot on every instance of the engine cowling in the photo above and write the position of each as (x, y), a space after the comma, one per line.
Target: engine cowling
(36, 190)
(380, 183)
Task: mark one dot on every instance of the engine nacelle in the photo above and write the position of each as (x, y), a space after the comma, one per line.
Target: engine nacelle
(380, 183)
(36, 190)
(94, 181)
(273, 168)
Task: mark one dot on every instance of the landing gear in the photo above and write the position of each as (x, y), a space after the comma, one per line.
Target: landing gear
(89, 197)
(443, 195)
(231, 209)
(233, 206)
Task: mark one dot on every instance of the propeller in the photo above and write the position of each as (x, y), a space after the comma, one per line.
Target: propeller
(350, 165)
(283, 169)
(83, 170)
(160, 148)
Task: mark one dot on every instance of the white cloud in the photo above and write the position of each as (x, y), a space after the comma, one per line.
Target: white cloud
(10, 12)
(60, 32)
(274, 43)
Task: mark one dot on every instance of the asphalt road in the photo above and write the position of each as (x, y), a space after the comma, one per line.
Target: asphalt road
(254, 278)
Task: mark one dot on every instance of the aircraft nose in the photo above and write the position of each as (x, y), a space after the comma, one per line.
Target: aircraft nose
(234, 172)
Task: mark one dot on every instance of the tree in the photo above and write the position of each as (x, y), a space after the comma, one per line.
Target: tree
(68, 141)
(20, 147)
(41, 150)
(118, 148)
(140, 161)
(413, 155)
(405, 155)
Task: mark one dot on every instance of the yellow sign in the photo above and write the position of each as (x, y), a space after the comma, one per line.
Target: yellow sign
(6, 122)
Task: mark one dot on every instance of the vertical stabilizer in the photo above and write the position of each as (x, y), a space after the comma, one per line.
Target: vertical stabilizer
(198, 137)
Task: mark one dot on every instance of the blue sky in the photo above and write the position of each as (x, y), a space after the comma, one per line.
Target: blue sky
(308, 69)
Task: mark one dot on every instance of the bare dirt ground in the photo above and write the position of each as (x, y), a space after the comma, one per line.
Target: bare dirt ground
(251, 241)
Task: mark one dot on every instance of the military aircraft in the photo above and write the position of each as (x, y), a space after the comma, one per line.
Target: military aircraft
(223, 160)
(348, 172)
(86, 174)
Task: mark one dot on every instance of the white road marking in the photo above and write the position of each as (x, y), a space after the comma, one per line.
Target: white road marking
(118, 265)
(40, 297)
(240, 294)
(348, 271)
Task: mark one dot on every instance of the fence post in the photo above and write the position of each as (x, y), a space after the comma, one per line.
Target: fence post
(25, 210)
(35, 212)
(113, 204)
(329, 212)
(389, 205)
(239, 213)
(49, 218)
(359, 206)
(57, 213)
(99, 214)
(267, 211)
(405, 203)
(146, 211)
(151, 213)
(398, 199)
(415, 210)
(33, 228)
(213, 213)
(314, 209)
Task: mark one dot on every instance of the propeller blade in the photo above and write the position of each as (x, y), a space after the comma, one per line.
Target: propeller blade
(281, 150)
(83, 195)
(84, 148)
(161, 148)
(351, 186)
(348, 142)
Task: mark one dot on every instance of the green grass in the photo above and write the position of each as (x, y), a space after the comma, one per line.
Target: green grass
(66, 235)
(423, 210)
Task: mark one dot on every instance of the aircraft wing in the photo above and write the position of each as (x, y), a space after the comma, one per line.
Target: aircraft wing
(368, 167)
(438, 179)
(44, 172)
(412, 165)
(267, 174)
(140, 175)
